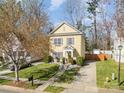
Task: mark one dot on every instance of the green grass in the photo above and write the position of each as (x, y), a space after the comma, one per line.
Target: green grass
(41, 72)
(4, 82)
(3, 68)
(68, 76)
(105, 69)
(54, 89)
(28, 85)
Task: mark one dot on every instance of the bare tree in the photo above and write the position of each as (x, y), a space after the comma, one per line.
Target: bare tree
(76, 14)
(120, 17)
(33, 26)
(107, 23)
(76, 11)
(21, 28)
(92, 9)
(103, 27)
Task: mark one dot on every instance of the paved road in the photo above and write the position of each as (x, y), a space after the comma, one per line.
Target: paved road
(7, 91)
(10, 89)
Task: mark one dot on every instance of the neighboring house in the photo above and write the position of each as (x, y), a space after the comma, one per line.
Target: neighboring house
(67, 40)
(117, 42)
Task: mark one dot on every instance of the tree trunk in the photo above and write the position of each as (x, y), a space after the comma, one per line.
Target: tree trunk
(16, 73)
(95, 29)
(109, 41)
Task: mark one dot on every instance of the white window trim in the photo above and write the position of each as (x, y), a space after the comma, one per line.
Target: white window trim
(72, 41)
(59, 41)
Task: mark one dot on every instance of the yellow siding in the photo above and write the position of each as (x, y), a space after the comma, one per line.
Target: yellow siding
(64, 29)
(79, 42)
(83, 46)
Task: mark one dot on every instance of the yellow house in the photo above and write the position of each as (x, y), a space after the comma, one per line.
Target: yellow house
(67, 40)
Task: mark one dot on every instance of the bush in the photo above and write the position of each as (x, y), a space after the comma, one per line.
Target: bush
(63, 60)
(80, 61)
(1, 59)
(48, 59)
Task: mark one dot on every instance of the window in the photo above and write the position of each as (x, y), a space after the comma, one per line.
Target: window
(58, 54)
(70, 41)
(58, 41)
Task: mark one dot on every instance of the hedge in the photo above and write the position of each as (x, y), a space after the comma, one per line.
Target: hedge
(80, 61)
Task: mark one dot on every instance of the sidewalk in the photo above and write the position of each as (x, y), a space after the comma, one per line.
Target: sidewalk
(12, 78)
(10, 89)
(49, 82)
(5, 72)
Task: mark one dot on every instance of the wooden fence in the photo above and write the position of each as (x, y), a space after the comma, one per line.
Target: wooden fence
(97, 57)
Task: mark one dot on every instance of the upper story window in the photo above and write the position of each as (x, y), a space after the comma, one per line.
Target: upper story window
(70, 41)
(58, 41)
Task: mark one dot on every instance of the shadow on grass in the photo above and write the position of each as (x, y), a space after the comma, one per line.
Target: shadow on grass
(121, 83)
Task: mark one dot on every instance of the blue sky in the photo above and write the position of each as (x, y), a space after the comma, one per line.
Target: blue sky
(56, 10)
(57, 13)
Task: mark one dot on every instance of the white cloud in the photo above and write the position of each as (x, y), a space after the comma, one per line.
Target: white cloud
(56, 3)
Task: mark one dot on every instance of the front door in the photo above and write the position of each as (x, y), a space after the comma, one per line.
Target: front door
(68, 54)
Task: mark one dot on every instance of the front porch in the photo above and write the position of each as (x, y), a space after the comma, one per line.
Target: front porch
(68, 51)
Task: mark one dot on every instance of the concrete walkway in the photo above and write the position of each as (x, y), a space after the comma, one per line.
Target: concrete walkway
(49, 82)
(12, 78)
(86, 80)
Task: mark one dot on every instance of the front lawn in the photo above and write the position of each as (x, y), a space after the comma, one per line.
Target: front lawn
(41, 72)
(54, 89)
(4, 82)
(105, 69)
(3, 68)
(26, 85)
(68, 75)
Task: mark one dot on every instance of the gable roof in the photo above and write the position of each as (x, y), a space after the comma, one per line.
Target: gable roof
(61, 24)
